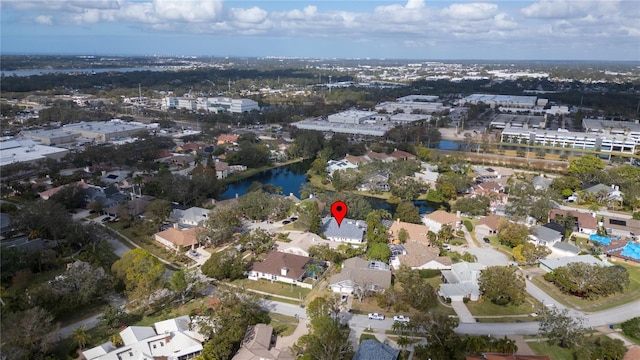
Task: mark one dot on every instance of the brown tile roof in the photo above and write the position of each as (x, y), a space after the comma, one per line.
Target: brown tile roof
(417, 232)
(49, 193)
(227, 138)
(275, 261)
(179, 237)
(356, 160)
(490, 221)
(585, 220)
(418, 255)
(163, 154)
(221, 165)
(399, 154)
(633, 353)
(377, 156)
(443, 217)
(490, 185)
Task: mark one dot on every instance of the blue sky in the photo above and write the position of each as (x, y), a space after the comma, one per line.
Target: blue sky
(413, 29)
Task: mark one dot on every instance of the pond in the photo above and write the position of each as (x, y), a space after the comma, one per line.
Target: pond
(291, 177)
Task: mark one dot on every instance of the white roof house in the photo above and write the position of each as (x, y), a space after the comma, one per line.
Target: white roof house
(171, 339)
(461, 281)
(191, 216)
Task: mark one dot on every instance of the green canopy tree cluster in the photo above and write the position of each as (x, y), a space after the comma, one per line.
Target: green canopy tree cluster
(376, 235)
(589, 280)
(502, 285)
(416, 291)
(225, 265)
(141, 274)
(561, 327)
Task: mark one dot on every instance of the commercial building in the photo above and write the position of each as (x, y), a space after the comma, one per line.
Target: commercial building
(373, 129)
(569, 139)
(611, 127)
(505, 121)
(510, 101)
(27, 151)
(51, 137)
(212, 104)
(351, 117)
(104, 131)
(426, 104)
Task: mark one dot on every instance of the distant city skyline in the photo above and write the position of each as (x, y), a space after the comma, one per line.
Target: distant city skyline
(415, 29)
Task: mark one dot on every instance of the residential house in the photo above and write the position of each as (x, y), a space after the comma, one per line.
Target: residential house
(228, 139)
(182, 159)
(259, 344)
(173, 339)
(376, 156)
(541, 183)
(563, 249)
(438, 218)
(603, 193)
(621, 226)
(584, 222)
(557, 227)
(190, 217)
(418, 256)
(378, 181)
(633, 353)
(176, 239)
(461, 281)
(495, 173)
(47, 194)
(114, 177)
(402, 155)
(358, 273)
(624, 251)
(356, 160)
(349, 231)
(280, 266)
(427, 176)
(370, 349)
(544, 236)
(488, 225)
(415, 232)
(135, 207)
(551, 264)
(107, 197)
(299, 243)
(222, 169)
(191, 148)
(333, 165)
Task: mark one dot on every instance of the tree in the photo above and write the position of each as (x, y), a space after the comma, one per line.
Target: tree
(80, 337)
(113, 316)
(228, 322)
(558, 325)
(403, 235)
(406, 188)
(417, 292)
(224, 265)
(140, 272)
(502, 285)
(442, 341)
(185, 282)
(158, 211)
(407, 212)
(309, 216)
(378, 251)
(472, 206)
(529, 253)
(28, 335)
(221, 224)
(589, 281)
(445, 234)
(587, 168)
(512, 234)
(327, 338)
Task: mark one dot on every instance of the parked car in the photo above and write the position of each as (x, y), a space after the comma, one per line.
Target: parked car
(486, 240)
(533, 314)
(105, 219)
(286, 222)
(446, 247)
(344, 297)
(376, 316)
(401, 318)
(193, 253)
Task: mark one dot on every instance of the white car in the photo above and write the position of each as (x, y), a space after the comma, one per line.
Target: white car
(401, 318)
(376, 316)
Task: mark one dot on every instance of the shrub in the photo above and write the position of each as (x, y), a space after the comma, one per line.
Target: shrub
(468, 225)
(428, 273)
(465, 299)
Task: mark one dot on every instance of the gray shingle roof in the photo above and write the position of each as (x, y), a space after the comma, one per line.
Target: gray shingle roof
(546, 234)
(348, 229)
(567, 247)
(372, 350)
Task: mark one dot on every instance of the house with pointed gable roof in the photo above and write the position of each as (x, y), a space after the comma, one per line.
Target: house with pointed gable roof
(176, 239)
(438, 218)
(280, 266)
(357, 272)
(488, 225)
(259, 343)
(420, 256)
(416, 232)
(402, 155)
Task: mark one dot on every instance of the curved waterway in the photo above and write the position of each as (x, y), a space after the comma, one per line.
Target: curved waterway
(291, 177)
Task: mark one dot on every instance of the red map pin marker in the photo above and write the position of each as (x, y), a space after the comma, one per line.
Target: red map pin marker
(339, 211)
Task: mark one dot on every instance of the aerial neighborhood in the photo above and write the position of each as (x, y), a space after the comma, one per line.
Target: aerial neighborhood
(162, 217)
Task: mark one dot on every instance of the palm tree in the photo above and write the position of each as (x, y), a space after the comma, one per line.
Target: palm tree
(80, 337)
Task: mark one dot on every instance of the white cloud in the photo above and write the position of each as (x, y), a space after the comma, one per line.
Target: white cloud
(252, 15)
(44, 19)
(471, 11)
(187, 11)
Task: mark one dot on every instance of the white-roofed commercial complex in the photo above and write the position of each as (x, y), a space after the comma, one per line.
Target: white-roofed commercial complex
(212, 104)
(27, 151)
(568, 139)
(511, 101)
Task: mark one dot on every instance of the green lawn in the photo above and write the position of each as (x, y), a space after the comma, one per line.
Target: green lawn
(283, 325)
(631, 294)
(487, 308)
(275, 288)
(553, 351)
